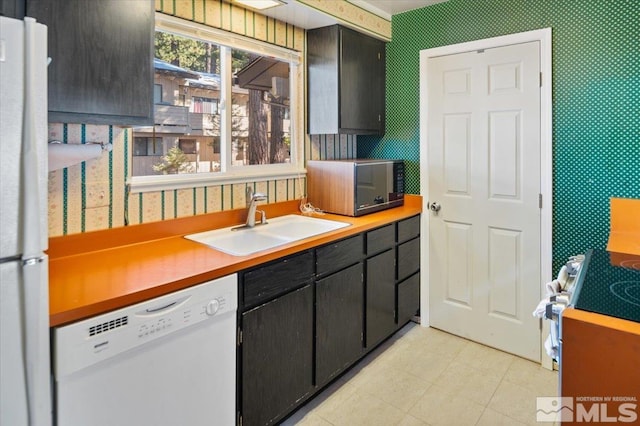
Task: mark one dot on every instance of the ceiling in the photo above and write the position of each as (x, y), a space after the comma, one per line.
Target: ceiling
(303, 16)
(388, 8)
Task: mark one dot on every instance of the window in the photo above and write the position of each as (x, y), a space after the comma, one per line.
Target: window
(188, 146)
(202, 105)
(157, 93)
(197, 139)
(143, 146)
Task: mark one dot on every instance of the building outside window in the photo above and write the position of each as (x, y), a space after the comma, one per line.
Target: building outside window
(192, 129)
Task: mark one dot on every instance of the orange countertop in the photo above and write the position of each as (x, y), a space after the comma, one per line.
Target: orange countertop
(96, 272)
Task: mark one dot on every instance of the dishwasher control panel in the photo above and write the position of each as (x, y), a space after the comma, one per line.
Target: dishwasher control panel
(87, 342)
(166, 319)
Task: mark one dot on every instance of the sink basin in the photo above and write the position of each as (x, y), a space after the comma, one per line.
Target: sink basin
(278, 231)
(298, 227)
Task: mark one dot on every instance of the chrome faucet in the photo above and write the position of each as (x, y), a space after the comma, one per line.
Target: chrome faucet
(252, 199)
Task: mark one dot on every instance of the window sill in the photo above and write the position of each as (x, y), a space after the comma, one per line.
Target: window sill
(139, 184)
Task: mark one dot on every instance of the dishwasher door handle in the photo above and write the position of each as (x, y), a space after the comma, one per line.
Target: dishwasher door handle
(165, 307)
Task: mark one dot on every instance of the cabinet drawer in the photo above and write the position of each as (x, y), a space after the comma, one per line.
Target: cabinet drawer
(381, 239)
(333, 257)
(408, 298)
(266, 282)
(408, 228)
(408, 258)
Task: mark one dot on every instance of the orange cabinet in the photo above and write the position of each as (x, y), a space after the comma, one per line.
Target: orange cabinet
(600, 367)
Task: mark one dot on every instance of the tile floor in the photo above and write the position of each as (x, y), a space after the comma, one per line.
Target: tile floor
(423, 376)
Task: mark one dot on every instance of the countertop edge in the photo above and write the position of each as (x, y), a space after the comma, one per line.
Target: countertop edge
(67, 307)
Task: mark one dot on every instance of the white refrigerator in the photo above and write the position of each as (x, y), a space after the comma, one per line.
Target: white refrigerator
(25, 384)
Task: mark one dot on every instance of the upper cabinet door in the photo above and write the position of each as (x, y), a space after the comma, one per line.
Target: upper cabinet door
(346, 82)
(362, 83)
(12, 8)
(102, 60)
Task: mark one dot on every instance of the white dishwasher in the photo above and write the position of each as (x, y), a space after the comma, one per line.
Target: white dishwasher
(167, 361)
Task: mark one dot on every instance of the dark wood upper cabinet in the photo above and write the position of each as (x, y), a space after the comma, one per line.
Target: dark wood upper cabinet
(102, 60)
(346, 82)
(12, 8)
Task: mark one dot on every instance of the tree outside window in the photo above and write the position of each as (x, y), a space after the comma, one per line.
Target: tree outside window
(188, 70)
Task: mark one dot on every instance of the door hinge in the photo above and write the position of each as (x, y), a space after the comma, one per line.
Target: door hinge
(540, 79)
(379, 56)
(539, 201)
(379, 118)
(239, 337)
(239, 420)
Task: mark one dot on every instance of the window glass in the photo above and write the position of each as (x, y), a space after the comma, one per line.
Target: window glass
(189, 118)
(260, 110)
(157, 93)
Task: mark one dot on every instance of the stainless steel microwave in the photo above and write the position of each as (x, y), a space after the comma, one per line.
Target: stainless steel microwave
(355, 187)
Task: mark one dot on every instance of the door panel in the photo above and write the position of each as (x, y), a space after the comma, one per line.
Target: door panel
(505, 164)
(457, 140)
(505, 246)
(459, 266)
(483, 129)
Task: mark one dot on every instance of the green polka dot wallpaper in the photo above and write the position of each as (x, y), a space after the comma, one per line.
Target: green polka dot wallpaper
(596, 99)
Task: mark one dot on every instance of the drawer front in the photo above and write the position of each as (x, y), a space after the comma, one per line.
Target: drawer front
(381, 239)
(408, 299)
(408, 228)
(408, 258)
(333, 257)
(266, 282)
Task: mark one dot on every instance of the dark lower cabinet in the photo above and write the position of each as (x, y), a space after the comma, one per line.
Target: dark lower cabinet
(307, 318)
(408, 299)
(339, 320)
(408, 258)
(381, 297)
(277, 357)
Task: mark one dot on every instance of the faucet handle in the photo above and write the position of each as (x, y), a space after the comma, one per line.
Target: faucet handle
(259, 196)
(263, 217)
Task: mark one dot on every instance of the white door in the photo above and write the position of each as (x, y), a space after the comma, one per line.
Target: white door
(483, 155)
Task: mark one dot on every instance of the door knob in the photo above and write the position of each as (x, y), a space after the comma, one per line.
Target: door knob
(435, 207)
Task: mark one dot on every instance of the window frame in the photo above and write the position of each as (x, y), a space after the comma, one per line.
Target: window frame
(234, 174)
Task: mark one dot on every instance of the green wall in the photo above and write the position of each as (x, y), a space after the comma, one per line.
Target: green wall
(596, 99)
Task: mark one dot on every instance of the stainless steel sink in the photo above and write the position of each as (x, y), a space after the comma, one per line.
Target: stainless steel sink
(241, 241)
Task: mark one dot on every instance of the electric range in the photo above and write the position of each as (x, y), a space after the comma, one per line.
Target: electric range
(609, 284)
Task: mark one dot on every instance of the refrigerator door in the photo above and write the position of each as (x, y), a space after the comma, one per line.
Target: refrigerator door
(25, 388)
(23, 85)
(13, 390)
